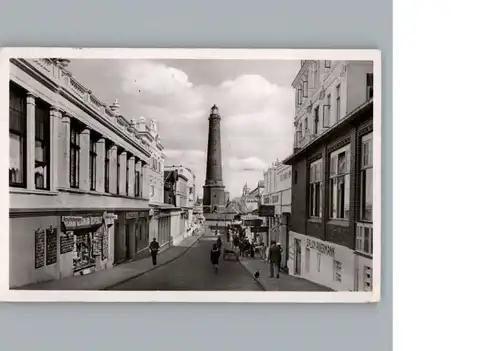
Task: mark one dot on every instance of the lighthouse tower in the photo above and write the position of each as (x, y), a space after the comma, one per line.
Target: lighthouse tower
(213, 190)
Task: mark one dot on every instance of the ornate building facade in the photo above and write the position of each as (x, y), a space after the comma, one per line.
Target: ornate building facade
(78, 177)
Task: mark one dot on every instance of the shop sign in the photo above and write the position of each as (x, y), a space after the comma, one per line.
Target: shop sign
(110, 217)
(143, 214)
(322, 248)
(131, 215)
(258, 229)
(72, 222)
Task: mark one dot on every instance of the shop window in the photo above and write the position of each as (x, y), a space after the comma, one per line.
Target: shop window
(17, 134)
(83, 256)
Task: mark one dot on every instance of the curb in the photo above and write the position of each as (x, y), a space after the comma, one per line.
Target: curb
(153, 268)
(259, 283)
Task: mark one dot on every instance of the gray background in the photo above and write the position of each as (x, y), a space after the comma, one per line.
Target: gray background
(220, 24)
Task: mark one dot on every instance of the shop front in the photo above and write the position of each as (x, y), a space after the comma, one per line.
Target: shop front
(86, 239)
(322, 262)
(136, 234)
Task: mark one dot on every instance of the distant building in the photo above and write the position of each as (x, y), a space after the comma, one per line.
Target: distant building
(278, 193)
(227, 197)
(331, 230)
(180, 182)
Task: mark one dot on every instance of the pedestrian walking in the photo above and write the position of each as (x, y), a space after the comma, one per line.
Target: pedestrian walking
(214, 257)
(274, 259)
(154, 247)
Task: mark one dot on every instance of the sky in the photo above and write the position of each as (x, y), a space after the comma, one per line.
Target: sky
(255, 100)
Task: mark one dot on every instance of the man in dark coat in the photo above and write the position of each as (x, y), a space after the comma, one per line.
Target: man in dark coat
(274, 259)
(154, 247)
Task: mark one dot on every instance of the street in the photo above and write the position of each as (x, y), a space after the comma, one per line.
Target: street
(193, 271)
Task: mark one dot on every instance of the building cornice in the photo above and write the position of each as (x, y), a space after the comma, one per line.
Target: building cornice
(367, 107)
(61, 81)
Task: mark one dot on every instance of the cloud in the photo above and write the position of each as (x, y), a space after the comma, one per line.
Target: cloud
(256, 118)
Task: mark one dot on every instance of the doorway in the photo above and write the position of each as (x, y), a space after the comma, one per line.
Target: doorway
(298, 257)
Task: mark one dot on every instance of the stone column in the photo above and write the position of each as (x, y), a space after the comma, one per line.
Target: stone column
(101, 164)
(63, 165)
(85, 159)
(113, 162)
(123, 173)
(131, 176)
(30, 141)
(145, 181)
(55, 122)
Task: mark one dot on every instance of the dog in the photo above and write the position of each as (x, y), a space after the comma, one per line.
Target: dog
(256, 275)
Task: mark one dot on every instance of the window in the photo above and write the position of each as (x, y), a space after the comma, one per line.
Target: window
(106, 169)
(93, 163)
(295, 177)
(337, 105)
(306, 122)
(367, 278)
(152, 191)
(364, 238)
(319, 261)
(74, 155)
(316, 120)
(328, 63)
(315, 181)
(326, 111)
(297, 97)
(337, 271)
(339, 188)
(17, 134)
(308, 259)
(300, 96)
(42, 145)
(366, 213)
(118, 175)
(315, 75)
(369, 86)
(137, 183)
(306, 88)
(126, 176)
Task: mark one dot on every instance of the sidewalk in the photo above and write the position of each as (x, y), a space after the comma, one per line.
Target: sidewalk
(284, 283)
(106, 279)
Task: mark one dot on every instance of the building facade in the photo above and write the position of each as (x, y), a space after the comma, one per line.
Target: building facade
(331, 229)
(278, 193)
(78, 177)
(181, 193)
(159, 223)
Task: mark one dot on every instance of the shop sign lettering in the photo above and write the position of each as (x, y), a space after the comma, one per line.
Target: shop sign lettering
(131, 215)
(322, 248)
(39, 248)
(77, 222)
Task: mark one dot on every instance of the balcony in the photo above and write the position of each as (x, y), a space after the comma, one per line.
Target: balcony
(302, 139)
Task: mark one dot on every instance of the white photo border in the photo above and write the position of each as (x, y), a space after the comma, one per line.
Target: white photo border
(7, 294)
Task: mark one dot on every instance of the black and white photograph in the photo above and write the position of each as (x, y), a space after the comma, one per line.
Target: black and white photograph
(192, 175)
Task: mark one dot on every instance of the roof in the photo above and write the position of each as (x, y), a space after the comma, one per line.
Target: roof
(367, 107)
